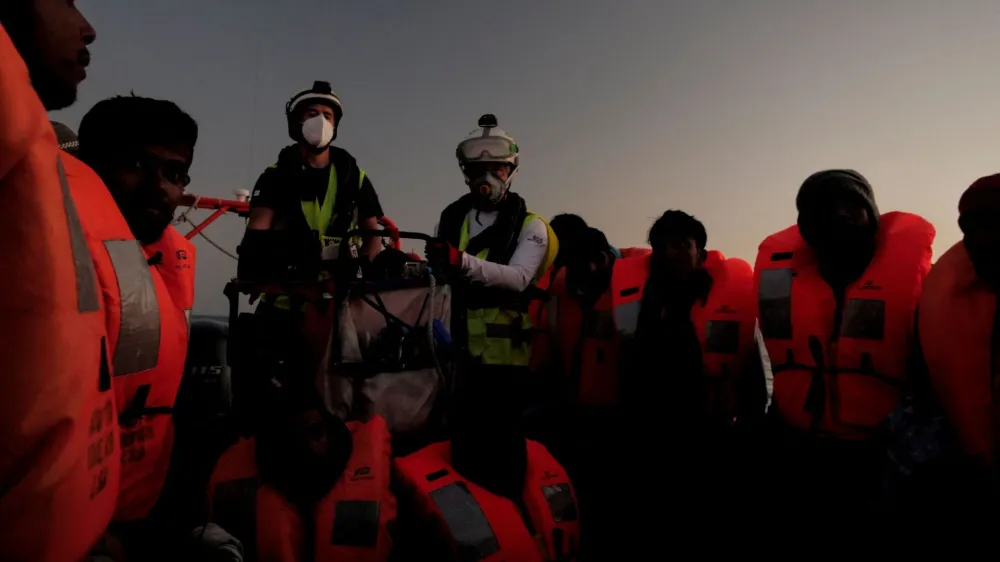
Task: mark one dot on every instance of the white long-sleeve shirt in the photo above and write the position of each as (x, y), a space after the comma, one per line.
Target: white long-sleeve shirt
(528, 258)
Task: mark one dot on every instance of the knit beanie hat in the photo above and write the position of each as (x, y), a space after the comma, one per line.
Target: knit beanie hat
(983, 196)
(819, 185)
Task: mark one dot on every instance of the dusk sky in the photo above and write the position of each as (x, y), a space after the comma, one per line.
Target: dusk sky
(623, 109)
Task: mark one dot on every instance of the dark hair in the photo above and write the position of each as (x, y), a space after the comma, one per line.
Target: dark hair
(566, 224)
(587, 246)
(133, 121)
(677, 223)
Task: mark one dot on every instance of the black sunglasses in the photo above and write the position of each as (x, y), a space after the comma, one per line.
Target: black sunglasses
(150, 165)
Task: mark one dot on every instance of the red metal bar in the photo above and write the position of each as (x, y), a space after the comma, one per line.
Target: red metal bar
(204, 224)
(223, 206)
(213, 203)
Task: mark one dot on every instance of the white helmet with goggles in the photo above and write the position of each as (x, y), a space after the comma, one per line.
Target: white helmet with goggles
(478, 155)
(321, 92)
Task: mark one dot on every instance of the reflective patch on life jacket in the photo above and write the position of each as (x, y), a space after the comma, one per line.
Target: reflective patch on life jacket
(466, 522)
(626, 317)
(138, 346)
(355, 523)
(775, 296)
(864, 319)
(87, 295)
(561, 503)
(722, 336)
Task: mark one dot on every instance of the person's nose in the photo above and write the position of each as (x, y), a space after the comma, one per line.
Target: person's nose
(173, 192)
(87, 31)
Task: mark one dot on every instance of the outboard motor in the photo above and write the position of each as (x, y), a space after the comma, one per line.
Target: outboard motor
(205, 396)
(203, 428)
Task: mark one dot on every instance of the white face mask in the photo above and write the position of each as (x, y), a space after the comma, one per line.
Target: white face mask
(317, 131)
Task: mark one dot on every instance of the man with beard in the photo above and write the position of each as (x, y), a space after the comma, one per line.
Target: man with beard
(135, 154)
(837, 294)
(59, 461)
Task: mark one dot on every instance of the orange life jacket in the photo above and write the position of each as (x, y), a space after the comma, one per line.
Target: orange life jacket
(147, 333)
(956, 322)
(491, 526)
(177, 267)
(842, 384)
(58, 430)
(351, 522)
(537, 310)
(726, 323)
(589, 343)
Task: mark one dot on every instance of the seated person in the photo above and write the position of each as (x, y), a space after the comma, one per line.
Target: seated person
(488, 492)
(306, 485)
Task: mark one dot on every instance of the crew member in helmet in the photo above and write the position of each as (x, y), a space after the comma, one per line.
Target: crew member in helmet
(493, 241)
(314, 184)
(496, 249)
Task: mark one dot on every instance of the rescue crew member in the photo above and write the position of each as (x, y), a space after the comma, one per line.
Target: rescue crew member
(137, 153)
(59, 462)
(314, 184)
(957, 340)
(491, 240)
(837, 294)
(306, 486)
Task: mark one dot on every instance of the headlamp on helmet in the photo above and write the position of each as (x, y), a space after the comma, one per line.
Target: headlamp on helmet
(488, 144)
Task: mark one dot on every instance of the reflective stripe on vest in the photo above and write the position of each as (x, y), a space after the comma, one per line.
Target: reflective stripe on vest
(87, 295)
(319, 217)
(499, 336)
(138, 346)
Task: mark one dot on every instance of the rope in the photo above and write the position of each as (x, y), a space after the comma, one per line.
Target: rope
(183, 217)
(218, 247)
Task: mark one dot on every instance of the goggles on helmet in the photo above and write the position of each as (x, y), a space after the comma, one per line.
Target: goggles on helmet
(488, 149)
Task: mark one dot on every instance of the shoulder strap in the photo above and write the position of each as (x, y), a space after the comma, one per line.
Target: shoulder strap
(452, 218)
(501, 237)
(349, 178)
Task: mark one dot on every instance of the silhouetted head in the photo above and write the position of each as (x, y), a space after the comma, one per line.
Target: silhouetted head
(52, 38)
(838, 217)
(142, 148)
(589, 266)
(567, 227)
(979, 219)
(302, 449)
(678, 241)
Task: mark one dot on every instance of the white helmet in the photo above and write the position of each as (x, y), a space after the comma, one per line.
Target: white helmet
(488, 143)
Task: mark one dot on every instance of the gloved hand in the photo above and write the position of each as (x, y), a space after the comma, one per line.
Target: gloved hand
(441, 253)
(390, 231)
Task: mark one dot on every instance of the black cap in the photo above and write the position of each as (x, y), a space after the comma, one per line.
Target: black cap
(488, 120)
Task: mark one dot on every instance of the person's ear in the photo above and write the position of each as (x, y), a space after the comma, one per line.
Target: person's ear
(702, 255)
